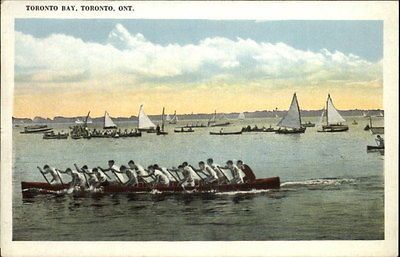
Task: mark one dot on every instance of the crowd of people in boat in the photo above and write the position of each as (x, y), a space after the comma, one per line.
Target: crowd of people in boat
(207, 173)
(85, 132)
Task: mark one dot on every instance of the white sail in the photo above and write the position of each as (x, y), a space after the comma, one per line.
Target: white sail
(241, 116)
(78, 121)
(89, 120)
(213, 119)
(321, 119)
(292, 118)
(174, 119)
(108, 123)
(276, 116)
(381, 114)
(144, 120)
(333, 115)
(168, 118)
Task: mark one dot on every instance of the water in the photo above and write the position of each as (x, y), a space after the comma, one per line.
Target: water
(331, 188)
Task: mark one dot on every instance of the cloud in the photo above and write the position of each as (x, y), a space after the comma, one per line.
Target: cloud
(130, 60)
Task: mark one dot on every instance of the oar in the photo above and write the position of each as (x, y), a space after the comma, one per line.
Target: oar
(104, 173)
(84, 175)
(43, 175)
(59, 176)
(223, 173)
(173, 175)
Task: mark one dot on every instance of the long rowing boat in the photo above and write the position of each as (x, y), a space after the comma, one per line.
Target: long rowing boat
(31, 189)
(225, 133)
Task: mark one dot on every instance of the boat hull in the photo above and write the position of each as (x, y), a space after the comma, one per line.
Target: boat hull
(220, 124)
(31, 189)
(35, 131)
(333, 128)
(375, 148)
(290, 131)
(225, 133)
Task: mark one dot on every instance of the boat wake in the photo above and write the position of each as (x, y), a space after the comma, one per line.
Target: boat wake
(254, 191)
(320, 182)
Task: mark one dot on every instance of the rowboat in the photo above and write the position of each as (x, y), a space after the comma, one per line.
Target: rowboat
(263, 129)
(31, 189)
(52, 135)
(30, 130)
(220, 133)
(212, 122)
(374, 147)
(308, 124)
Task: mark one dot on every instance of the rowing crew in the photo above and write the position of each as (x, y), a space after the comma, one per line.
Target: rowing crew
(133, 174)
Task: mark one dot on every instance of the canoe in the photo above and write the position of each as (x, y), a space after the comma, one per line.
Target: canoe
(374, 147)
(220, 124)
(30, 189)
(226, 133)
(183, 130)
(39, 130)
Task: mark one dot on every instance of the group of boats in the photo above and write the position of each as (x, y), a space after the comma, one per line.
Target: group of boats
(330, 121)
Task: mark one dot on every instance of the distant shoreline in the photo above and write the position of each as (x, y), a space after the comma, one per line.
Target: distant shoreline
(199, 116)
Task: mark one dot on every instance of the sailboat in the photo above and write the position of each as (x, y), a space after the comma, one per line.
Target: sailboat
(168, 118)
(174, 119)
(160, 131)
(334, 121)
(145, 124)
(291, 122)
(78, 121)
(108, 122)
(89, 120)
(241, 116)
(212, 122)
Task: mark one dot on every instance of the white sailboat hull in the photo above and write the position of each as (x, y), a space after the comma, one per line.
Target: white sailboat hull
(333, 128)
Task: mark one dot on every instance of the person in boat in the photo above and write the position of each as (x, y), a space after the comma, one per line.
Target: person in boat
(131, 174)
(102, 177)
(165, 171)
(93, 181)
(222, 179)
(55, 176)
(221, 130)
(188, 179)
(209, 172)
(160, 178)
(78, 181)
(191, 170)
(236, 173)
(158, 128)
(111, 167)
(380, 141)
(140, 171)
(248, 173)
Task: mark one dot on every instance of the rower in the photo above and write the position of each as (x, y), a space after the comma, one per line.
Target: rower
(102, 177)
(221, 176)
(112, 167)
(187, 177)
(131, 174)
(165, 171)
(190, 169)
(78, 181)
(380, 141)
(93, 181)
(160, 178)
(209, 172)
(236, 172)
(249, 175)
(140, 171)
(53, 172)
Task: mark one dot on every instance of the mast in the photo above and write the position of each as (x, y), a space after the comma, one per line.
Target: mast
(87, 116)
(162, 119)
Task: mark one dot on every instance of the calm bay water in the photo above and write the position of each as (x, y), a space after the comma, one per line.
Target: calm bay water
(331, 187)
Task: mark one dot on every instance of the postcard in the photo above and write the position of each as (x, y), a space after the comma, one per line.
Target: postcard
(199, 128)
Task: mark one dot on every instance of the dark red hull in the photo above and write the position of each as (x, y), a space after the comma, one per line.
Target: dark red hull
(30, 189)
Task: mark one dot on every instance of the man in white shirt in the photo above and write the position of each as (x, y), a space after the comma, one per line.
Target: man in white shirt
(193, 174)
(115, 169)
(209, 172)
(140, 171)
(236, 172)
(222, 179)
(160, 178)
(187, 177)
(131, 174)
(165, 171)
(55, 176)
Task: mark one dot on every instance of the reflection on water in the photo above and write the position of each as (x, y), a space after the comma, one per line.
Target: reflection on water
(331, 189)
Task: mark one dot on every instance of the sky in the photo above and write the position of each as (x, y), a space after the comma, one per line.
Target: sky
(68, 67)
